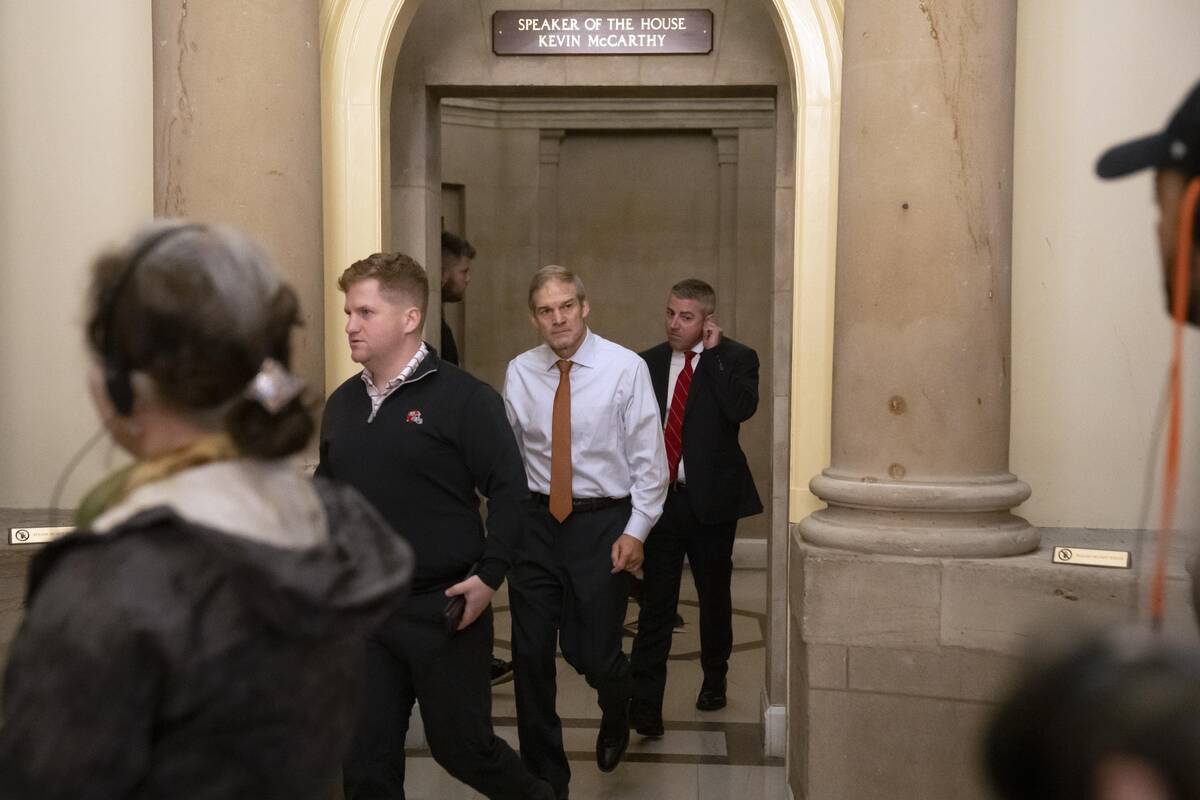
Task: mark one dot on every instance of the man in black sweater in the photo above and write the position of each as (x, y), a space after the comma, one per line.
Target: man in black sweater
(457, 255)
(419, 438)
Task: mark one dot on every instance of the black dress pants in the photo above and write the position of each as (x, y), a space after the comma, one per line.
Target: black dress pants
(411, 657)
(562, 591)
(709, 551)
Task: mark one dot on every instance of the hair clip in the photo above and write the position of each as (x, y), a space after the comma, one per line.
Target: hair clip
(274, 387)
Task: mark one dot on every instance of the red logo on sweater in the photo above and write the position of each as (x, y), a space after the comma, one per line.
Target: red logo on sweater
(414, 416)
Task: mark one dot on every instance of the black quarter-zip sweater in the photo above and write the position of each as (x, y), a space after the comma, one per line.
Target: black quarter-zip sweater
(435, 440)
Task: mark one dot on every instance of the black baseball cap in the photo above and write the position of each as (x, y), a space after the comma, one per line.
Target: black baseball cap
(1177, 148)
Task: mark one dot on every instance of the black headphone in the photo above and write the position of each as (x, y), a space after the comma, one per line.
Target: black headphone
(117, 381)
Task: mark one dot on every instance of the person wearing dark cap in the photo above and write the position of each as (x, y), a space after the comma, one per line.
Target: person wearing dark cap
(1174, 154)
(1115, 718)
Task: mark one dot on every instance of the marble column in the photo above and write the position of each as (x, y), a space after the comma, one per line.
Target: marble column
(727, 259)
(412, 208)
(549, 151)
(237, 135)
(921, 355)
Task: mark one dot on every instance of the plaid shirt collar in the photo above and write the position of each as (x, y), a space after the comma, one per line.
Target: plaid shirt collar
(378, 394)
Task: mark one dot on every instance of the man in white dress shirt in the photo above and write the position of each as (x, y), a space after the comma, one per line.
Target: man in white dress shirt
(587, 423)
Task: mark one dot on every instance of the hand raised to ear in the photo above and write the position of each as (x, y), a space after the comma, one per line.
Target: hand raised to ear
(711, 336)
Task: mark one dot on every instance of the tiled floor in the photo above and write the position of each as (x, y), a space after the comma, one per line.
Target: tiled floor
(703, 754)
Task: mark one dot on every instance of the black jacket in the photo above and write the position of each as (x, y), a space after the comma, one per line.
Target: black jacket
(169, 659)
(449, 346)
(723, 394)
(435, 441)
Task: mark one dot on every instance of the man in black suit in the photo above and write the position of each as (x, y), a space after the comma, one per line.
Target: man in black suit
(706, 385)
(457, 255)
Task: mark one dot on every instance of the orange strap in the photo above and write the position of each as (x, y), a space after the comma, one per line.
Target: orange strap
(1181, 290)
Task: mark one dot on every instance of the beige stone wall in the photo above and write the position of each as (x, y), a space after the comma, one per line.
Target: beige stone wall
(898, 663)
(76, 173)
(638, 212)
(1089, 335)
(237, 140)
(498, 172)
(237, 136)
(448, 47)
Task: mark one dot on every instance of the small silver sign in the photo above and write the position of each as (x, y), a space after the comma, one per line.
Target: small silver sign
(1088, 557)
(36, 535)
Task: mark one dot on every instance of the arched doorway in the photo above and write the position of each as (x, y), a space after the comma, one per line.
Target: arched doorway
(361, 41)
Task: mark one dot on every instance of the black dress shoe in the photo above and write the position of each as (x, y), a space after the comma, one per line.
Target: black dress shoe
(501, 669)
(613, 739)
(711, 698)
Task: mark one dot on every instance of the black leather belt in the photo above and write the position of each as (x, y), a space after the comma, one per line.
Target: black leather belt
(582, 504)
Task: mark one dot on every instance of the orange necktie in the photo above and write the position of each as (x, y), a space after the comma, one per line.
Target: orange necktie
(560, 446)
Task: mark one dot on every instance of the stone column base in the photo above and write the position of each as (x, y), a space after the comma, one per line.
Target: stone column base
(896, 663)
(964, 520)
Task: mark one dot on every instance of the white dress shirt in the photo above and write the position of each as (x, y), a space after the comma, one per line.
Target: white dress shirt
(677, 363)
(617, 444)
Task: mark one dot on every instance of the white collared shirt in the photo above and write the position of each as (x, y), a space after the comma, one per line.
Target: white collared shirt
(617, 444)
(677, 362)
(377, 394)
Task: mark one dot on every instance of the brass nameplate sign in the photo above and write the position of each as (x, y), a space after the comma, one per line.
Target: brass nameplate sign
(1084, 557)
(562, 33)
(36, 535)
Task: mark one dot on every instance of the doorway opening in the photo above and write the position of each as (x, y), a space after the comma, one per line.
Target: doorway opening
(387, 67)
(633, 194)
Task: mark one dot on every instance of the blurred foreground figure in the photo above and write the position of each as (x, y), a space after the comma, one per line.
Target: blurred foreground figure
(1174, 155)
(199, 635)
(1117, 718)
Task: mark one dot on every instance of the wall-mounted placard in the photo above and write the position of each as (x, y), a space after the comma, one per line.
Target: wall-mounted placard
(1091, 557)
(36, 535)
(560, 33)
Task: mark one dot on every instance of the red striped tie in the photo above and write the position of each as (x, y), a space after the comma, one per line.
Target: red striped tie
(673, 432)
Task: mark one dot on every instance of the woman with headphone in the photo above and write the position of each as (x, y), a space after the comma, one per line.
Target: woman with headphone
(199, 634)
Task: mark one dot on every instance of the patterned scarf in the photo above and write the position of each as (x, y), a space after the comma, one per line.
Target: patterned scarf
(124, 482)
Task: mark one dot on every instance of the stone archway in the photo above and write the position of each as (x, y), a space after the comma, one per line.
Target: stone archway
(361, 41)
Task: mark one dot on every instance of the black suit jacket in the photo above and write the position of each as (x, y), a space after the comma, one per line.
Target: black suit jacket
(449, 348)
(723, 395)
